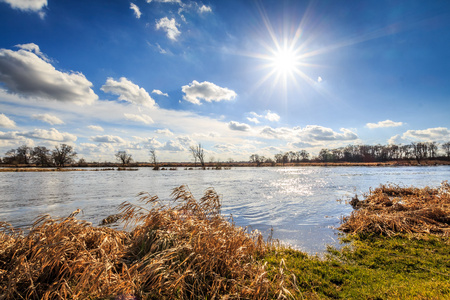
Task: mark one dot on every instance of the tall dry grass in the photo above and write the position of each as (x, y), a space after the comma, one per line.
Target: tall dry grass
(391, 209)
(181, 250)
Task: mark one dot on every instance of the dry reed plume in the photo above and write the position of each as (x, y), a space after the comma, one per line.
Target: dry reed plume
(391, 209)
(185, 250)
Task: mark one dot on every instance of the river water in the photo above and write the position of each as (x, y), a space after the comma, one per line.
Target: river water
(299, 205)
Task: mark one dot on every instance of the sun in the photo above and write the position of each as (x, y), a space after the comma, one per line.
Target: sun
(285, 61)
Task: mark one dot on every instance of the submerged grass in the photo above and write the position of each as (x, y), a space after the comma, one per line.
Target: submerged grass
(391, 209)
(186, 250)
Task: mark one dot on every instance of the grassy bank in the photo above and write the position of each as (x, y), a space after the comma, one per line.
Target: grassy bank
(397, 247)
(370, 267)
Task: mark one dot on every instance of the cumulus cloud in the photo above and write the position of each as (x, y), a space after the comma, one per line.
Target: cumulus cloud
(96, 128)
(166, 1)
(204, 9)
(395, 140)
(142, 118)
(169, 26)
(6, 122)
(28, 73)
(52, 120)
(136, 10)
(431, 134)
(28, 5)
(8, 135)
(273, 117)
(239, 126)
(49, 135)
(158, 92)
(320, 133)
(186, 141)
(310, 134)
(172, 146)
(207, 91)
(166, 132)
(110, 139)
(301, 145)
(382, 124)
(253, 120)
(128, 91)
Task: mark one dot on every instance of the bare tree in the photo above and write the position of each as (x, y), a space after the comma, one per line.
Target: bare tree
(41, 156)
(446, 147)
(63, 155)
(198, 153)
(419, 151)
(123, 157)
(153, 158)
(24, 154)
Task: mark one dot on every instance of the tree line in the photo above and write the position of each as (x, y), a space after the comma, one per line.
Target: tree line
(64, 154)
(361, 153)
(61, 156)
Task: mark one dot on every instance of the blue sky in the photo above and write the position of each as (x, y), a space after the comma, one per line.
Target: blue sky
(239, 77)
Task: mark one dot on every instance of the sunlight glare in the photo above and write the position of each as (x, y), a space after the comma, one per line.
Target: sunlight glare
(285, 61)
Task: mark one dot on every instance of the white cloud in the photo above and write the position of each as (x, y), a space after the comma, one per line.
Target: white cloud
(128, 91)
(207, 91)
(301, 145)
(320, 133)
(161, 50)
(273, 117)
(253, 120)
(107, 139)
(27, 5)
(204, 9)
(52, 120)
(310, 133)
(6, 122)
(431, 134)
(166, 132)
(50, 135)
(8, 135)
(172, 146)
(96, 128)
(382, 124)
(137, 11)
(167, 1)
(139, 118)
(396, 140)
(169, 26)
(29, 74)
(239, 126)
(186, 141)
(32, 47)
(158, 92)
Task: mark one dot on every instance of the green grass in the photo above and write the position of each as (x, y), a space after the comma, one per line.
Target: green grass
(370, 267)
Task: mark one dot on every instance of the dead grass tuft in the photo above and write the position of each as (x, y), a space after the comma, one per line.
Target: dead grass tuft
(181, 250)
(391, 209)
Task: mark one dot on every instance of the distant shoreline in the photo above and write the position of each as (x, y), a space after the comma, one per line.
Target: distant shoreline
(214, 166)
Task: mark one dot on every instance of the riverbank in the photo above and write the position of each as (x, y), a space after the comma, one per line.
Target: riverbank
(34, 169)
(215, 166)
(187, 250)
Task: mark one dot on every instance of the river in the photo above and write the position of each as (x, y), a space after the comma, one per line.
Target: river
(300, 204)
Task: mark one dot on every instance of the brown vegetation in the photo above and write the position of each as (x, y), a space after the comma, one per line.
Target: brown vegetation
(392, 209)
(185, 250)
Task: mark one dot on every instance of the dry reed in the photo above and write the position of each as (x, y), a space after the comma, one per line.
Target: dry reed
(180, 250)
(391, 209)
